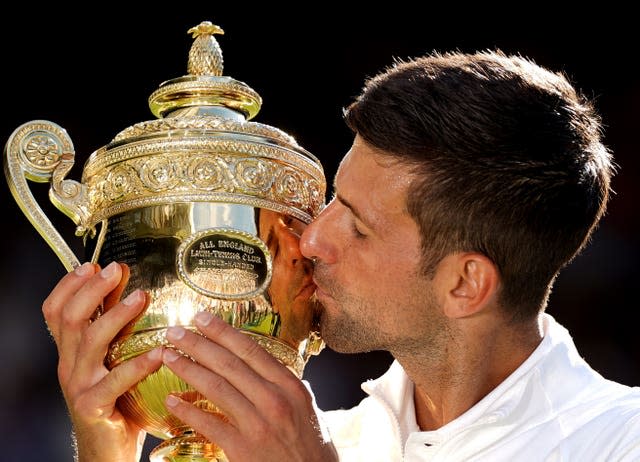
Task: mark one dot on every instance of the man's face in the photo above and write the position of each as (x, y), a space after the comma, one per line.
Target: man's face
(368, 260)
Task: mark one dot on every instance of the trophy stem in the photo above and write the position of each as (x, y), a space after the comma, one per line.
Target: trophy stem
(187, 447)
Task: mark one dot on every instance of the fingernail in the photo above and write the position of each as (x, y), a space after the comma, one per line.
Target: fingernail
(84, 270)
(175, 333)
(132, 298)
(110, 270)
(203, 318)
(169, 355)
(172, 401)
(155, 354)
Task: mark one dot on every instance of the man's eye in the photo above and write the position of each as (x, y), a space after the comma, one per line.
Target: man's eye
(359, 234)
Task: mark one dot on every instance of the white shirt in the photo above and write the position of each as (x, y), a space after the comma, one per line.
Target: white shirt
(554, 407)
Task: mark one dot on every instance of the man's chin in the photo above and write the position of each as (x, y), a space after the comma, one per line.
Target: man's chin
(348, 348)
(339, 339)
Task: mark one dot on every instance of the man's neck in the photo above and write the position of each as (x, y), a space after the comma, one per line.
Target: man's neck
(473, 366)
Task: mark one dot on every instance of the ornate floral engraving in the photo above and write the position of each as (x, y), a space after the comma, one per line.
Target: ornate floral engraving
(289, 186)
(316, 195)
(41, 150)
(141, 342)
(163, 145)
(192, 170)
(254, 175)
(207, 174)
(135, 344)
(203, 123)
(118, 182)
(159, 173)
(282, 352)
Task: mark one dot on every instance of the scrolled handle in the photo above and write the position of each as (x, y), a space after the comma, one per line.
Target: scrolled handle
(41, 151)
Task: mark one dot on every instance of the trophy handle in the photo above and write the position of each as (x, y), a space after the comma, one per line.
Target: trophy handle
(41, 151)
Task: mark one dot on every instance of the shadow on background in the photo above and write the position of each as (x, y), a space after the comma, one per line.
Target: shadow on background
(93, 77)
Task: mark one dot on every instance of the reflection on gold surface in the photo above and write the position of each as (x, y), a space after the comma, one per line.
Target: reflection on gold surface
(280, 316)
(292, 285)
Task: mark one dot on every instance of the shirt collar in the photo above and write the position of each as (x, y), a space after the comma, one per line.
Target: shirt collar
(396, 389)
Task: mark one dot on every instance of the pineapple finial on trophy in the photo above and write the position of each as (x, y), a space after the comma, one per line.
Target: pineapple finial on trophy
(205, 56)
(205, 90)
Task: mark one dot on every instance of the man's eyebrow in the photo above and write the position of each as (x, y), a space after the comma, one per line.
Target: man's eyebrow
(348, 205)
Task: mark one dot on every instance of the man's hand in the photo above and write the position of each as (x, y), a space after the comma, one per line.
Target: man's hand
(90, 389)
(269, 412)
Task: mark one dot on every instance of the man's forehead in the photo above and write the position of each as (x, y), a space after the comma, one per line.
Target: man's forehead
(364, 163)
(373, 184)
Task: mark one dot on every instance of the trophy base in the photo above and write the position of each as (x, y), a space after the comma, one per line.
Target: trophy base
(188, 447)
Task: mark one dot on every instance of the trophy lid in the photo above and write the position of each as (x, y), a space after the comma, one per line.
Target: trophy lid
(203, 147)
(205, 86)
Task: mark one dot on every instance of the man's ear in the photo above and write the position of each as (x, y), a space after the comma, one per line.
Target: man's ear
(466, 283)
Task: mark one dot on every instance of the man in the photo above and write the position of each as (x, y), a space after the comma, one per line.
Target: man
(472, 180)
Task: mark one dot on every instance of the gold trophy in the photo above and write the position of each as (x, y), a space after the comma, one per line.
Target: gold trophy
(205, 208)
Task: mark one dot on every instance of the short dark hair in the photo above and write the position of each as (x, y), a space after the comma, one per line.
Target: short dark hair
(508, 161)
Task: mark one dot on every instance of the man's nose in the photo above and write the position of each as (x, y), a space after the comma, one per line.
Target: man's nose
(315, 242)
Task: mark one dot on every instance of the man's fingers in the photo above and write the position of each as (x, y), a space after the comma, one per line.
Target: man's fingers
(226, 379)
(114, 296)
(62, 293)
(214, 386)
(213, 426)
(120, 379)
(242, 346)
(79, 309)
(97, 337)
(82, 306)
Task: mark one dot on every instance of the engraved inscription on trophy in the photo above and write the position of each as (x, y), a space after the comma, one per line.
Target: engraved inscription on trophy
(119, 245)
(224, 263)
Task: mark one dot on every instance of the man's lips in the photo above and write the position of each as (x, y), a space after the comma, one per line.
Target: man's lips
(320, 294)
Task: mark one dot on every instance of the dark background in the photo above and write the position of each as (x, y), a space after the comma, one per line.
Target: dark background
(93, 75)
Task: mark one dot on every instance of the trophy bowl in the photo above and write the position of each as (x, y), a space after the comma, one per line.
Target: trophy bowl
(205, 209)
